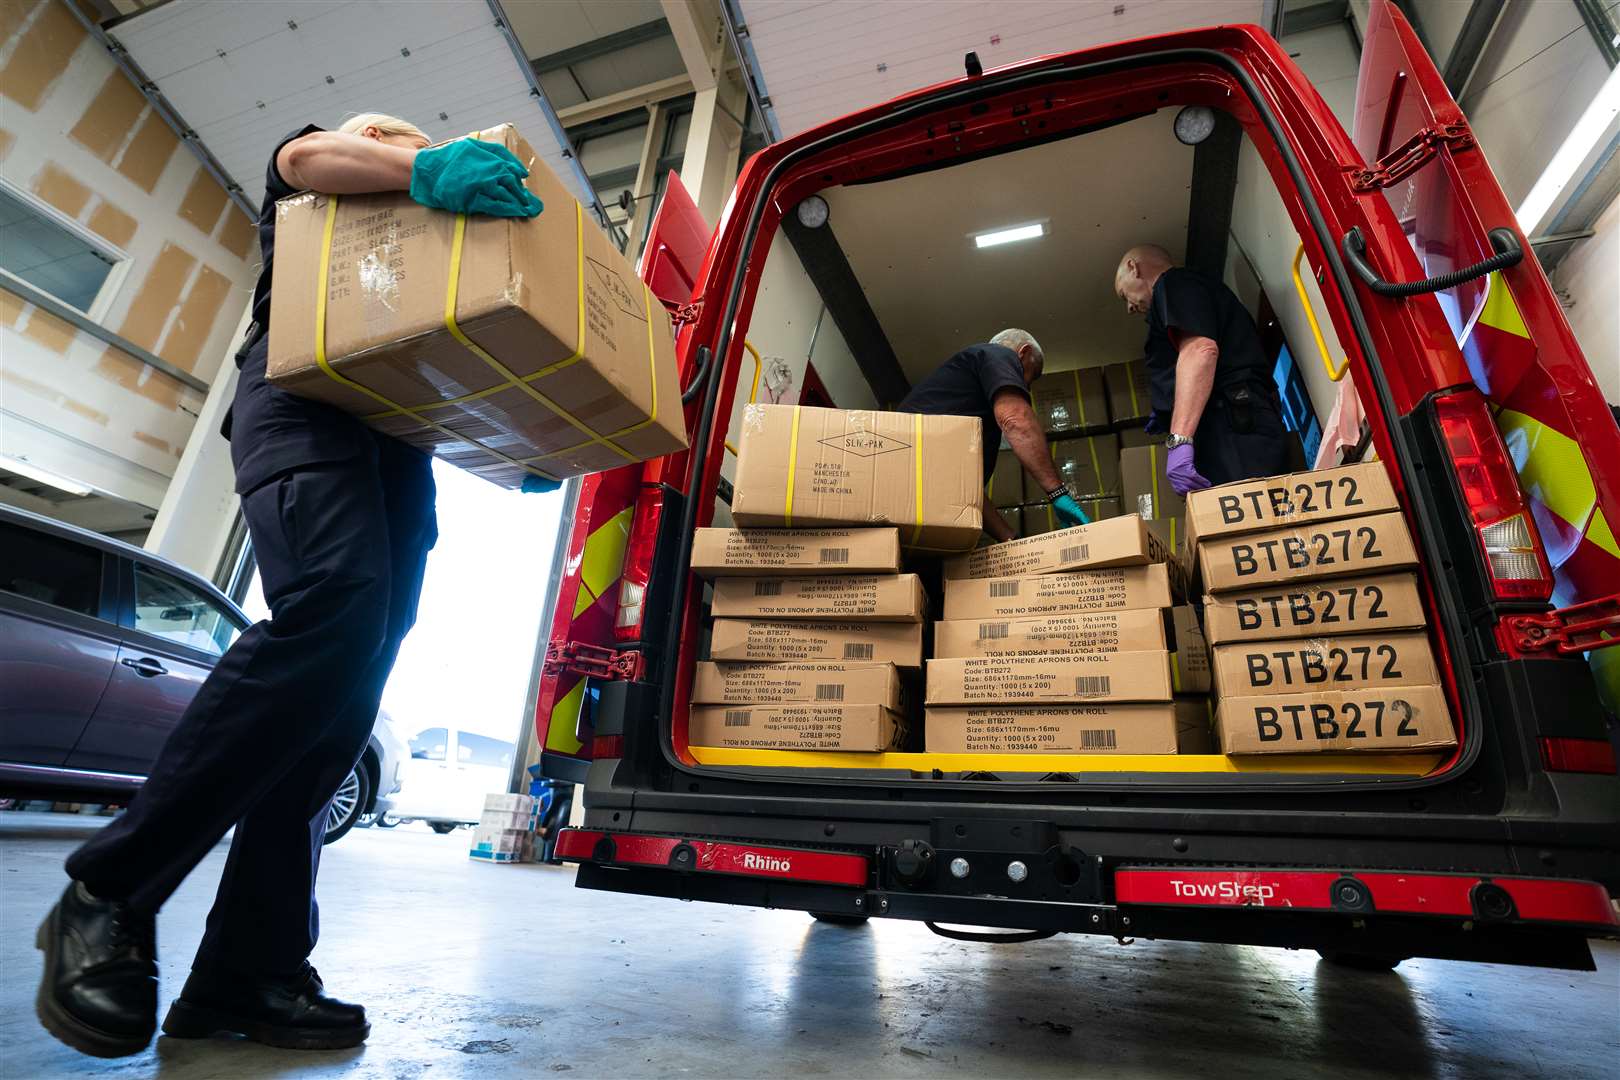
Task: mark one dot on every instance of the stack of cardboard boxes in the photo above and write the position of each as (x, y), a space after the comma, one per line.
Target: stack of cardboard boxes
(1058, 644)
(812, 626)
(802, 659)
(505, 831)
(1314, 616)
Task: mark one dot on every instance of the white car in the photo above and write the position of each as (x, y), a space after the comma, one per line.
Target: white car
(447, 775)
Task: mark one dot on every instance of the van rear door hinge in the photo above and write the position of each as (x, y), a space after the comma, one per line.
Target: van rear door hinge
(1594, 624)
(1410, 156)
(686, 313)
(593, 661)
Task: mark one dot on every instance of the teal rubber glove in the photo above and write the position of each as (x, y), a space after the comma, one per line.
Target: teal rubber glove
(533, 484)
(471, 176)
(1069, 511)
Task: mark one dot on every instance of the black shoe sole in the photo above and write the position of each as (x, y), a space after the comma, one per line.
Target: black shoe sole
(63, 1025)
(189, 1021)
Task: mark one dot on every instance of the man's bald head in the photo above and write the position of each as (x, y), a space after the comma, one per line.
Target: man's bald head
(1139, 270)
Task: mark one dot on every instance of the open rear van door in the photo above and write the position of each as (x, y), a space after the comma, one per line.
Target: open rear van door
(604, 575)
(1459, 246)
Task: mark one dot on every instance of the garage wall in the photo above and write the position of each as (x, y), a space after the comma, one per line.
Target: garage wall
(78, 137)
(1588, 282)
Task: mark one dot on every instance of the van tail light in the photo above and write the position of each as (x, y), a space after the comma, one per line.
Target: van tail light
(1514, 557)
(638, 562)
(1562, 754)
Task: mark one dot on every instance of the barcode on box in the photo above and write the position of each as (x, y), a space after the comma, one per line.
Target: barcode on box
(1075, 553)
(990, 631)
(767, 588)
(1098, 739)
(829, 691)
(1004, 588)
(737, 717)
(1091, 684)
(835, 555)
(858, 650)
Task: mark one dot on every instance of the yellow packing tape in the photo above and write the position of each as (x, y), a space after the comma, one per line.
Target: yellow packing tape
(793, 468)
(325, 366)
(917, 456)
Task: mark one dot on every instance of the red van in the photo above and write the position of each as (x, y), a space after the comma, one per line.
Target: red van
(1499, 443)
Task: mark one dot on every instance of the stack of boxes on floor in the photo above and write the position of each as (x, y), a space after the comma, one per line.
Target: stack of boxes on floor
(813, 620)
(1314, 617)
(1066, 643)
(505, 832)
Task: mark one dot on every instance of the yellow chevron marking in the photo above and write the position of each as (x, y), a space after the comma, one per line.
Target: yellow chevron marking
(602, 561)
(1500, 311)
(1600, 534)
(564, 721)
(1551, 466)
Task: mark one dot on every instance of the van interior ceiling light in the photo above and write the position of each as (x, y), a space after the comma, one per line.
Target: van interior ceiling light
(813, 211)
(1594, 127)
(1194, 124)
(1011, 235)
(43, 476)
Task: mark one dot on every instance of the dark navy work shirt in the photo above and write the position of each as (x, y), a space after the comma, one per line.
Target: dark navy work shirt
(966, 385)
(270, 430)
(1198, 306)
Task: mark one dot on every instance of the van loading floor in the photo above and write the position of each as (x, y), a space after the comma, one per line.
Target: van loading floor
(492, 971)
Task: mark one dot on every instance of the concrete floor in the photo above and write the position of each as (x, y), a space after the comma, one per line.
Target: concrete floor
(495, 971)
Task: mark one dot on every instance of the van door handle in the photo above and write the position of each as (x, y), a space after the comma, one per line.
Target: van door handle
(1504, 241)
(146, 667)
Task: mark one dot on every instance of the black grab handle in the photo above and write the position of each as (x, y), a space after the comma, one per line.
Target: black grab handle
(1505, 242)
(699, 377)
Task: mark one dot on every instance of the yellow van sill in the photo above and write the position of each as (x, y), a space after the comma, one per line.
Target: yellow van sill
(1341, 764)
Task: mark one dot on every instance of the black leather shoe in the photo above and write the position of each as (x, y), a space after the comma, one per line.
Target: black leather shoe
(294, 1013)
(98, 993)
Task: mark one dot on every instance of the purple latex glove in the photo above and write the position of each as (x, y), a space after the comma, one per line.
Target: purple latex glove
(1184, 475)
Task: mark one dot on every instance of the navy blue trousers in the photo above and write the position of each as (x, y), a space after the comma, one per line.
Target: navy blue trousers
(274, 730)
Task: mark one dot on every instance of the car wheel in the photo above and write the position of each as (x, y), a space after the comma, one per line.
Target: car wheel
(833, 919)
(348, 804)
(443, 828)
(386, 821)
(1359, 961)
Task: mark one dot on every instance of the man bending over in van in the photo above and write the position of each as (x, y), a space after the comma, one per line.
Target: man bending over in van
(1213, 397)
(991, 381)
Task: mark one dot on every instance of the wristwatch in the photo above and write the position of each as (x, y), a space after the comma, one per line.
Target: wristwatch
(1056, 493)
(1173, 441)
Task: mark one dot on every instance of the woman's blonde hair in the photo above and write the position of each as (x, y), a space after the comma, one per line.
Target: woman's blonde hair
(388, 125)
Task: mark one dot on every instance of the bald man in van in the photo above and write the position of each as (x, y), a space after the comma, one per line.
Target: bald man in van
(991, 381)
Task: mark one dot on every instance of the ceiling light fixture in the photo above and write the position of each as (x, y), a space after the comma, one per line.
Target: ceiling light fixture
(1194, 124)
(813, 211)
(1590, 131)
(43, 476)
(1010, 235)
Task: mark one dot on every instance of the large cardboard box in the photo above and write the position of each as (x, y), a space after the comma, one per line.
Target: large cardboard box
(804, 466)
(1005, 486)
(744, 552)
(1144, 485)
(1132, 630)
(1172, 533)
(1059, 594)
(1327, 549)
(1380, 604)
(770, 641)
(1014, 517)
(1158, 728)
(1349, 662)
(1134, 435)
(1294, 499)
(804, 726)
(559, 362)
(1130, 393)
(1040, 518)
(1087, 464)
(766, 684)
(1070, 400)
(1189, 652)
(1121, 541)
(1376, 718)
(868, 597)
(1049, 678)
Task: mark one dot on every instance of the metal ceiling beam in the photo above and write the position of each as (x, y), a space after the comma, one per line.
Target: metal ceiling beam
(602, 46)
(753, 79)
(634, 98)
(1478, 25)
(700, 36)
(1602, 28)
